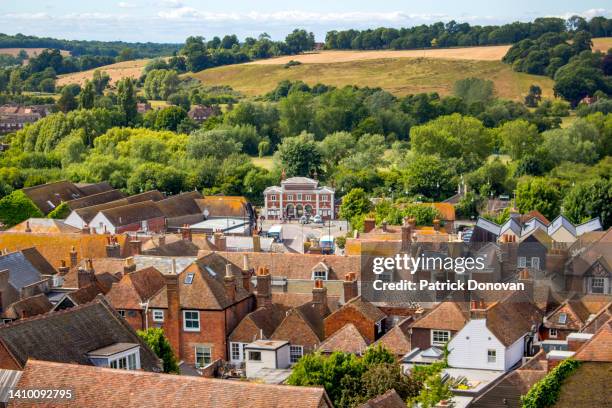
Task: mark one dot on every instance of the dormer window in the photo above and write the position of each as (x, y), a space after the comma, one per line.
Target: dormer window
(123, 356)
(562, 318)
(189, 278)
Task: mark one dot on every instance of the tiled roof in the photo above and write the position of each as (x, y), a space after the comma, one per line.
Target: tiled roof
(97, 387)
(599, 348)
(389, 399)
(297, 299)
(164, 264)
(588, 386)
(54, 193)
(298, 266)
(43, 226)
(576, 315)
(56, 247)
(101, 266)
(367, 309)
(85, 295)
(31, 306)
(94, 188)
(95, 199)
(136, 288)
(207, 290)
(223, 206)
(21, 271)
(68, 335)
(397, 340)
(445, 316)
(262, 321)
(598, 320)
(180, 204)
(132, 213)
(348, 339)
(88, 213)
(512, 318)
(38, 261)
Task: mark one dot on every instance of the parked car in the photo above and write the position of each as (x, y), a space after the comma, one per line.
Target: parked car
(317, 219)
(304, 219)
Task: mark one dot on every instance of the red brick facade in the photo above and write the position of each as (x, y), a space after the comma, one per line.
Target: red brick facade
(298, 196)
(341, 317)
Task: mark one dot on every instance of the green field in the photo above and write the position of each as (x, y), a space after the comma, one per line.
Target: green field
(401, 76)
(265, 162)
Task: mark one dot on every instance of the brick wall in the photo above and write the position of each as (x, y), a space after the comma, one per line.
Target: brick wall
(337, 320)
(297, 332)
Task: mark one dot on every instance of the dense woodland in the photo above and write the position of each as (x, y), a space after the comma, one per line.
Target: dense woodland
(550, 155)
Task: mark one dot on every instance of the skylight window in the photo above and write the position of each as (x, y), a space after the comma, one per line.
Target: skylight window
(189, 278)
(210, 271)
(562, 318)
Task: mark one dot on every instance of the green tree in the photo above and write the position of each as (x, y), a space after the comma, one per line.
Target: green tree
(457, 136)
(299, 155)
(534, 96)
(429, 176)
(474, 90)
(539, 193)
(156, 340)
(355, 204)
(100, 81)
(87, 96)
(170, 118)
(17, 207)
(296, 113)
(519, 137)
(126, 100)
(589, 200)
(15, 84)
(299, 40)
(47, 85)
(60, 212)
(66, 102)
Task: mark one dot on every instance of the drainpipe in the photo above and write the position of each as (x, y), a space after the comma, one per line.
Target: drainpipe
(146, 311)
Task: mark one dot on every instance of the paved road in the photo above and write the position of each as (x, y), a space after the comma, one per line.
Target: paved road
(295, 234)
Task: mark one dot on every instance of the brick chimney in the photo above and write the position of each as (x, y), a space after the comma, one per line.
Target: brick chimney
(129, 265)
(135, 247)
(525, 279)
(73, 257)
(436, 224)
(220, 241)
(256, 243)
(264, 287)
(172, 322)
(85, 229)
(406, 235)
(161, 240)
(368, 225)
(63, 269)
(247, 272)
(412, 223)
(27, 228)
(478, 309)
(86, 276)
(186, 232)
(319, 296)
(349, 285)
(384, 226)
(113, 249)
(229, 281)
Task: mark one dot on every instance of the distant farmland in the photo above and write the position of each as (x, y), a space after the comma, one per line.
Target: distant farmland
(401, 76)
(116, 71)
(32, 52)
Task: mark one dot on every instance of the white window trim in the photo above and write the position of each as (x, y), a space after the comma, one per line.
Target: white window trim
(157, 318)
(255, 351)
(318, 277)
(551, 331)
(241, 351)
(191, 329)
(438, 343)
(494, 356)
(204, 346)
(125, 354)
(537, 262)
(522, 262)
(121, 313)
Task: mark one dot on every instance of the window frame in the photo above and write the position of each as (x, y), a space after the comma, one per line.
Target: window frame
(550, 333)
(254, 352)
(564, 320)
(521, 262)
(186, 319)
(601, 287)
(533, 264)
(157, 319)
(491, 356)
(294, 350)
(200, 349)
(315, 277)
(435, 332)
(121, 313)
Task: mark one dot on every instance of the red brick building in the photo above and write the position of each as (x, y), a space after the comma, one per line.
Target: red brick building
(297, 196)
(197, 309)
(366, 317)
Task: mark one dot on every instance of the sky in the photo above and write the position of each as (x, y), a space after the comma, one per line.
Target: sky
(174, 20)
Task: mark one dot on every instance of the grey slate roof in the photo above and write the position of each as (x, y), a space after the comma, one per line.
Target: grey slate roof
(21, 271)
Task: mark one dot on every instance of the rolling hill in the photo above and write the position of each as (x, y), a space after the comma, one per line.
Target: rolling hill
(116, 71)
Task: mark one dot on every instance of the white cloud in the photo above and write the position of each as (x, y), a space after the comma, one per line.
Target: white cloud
(588, 14)
(123, 4)
(171, 3)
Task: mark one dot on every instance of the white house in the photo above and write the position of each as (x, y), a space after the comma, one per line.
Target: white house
(496, 338)
(266, 354)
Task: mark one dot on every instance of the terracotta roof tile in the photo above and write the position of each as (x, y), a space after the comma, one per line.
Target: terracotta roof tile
(43, 226)
(180, 204)
(397, 340)
(347, 339)
(599, 348)
(445, 316)
(97, 387)
(68, 335)
(111, 266)
(224, 206)
(31, 306)
(136, 288)
(95, 199)
(511, 318)
(132, 213)
(389, 399)
(88, 213)
(54, 193)
(262, 321)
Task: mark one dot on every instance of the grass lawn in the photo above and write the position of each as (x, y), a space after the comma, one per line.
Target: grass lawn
(265, 162)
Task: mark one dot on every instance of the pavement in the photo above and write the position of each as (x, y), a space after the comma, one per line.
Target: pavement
(295, 234)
